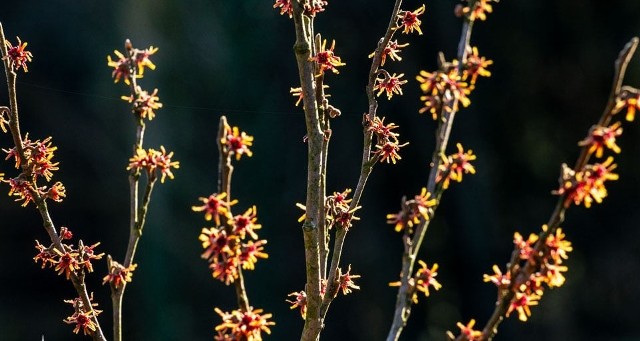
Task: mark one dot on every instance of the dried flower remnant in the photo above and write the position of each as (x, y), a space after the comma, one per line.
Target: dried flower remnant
(314, 7)
(17, 55)
(4, 118)
(119, 275)
(392, 50)
(144, 103)
(299, 302)
(326, 59)
(629, 99)
(391, 84)
(454, 165)
(409, 20)
(46, 255)
(286, 7)
(236, 143)
(346, 283)
(602, 137)
(243, 325)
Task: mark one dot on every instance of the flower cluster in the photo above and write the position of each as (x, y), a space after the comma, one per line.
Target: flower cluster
(454, 165)
(152, 160)
(412, 211)
(442, 90)
(236, 143)
(387, 144)
(326, 59)
(311, 8)
(225, 245)
(243, 325)
(475, 9)
(69, 261)
(543, 257)
(83, 317)
(144, 103)
(338, 210)
(35, 162)
(421, 281)
(17, 55)
(131, 66)
(587, 185)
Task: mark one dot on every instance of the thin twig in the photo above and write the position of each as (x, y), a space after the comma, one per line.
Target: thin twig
(225, 170)
(367, 163)
(412, 245)
(557, 217)
(40, 202)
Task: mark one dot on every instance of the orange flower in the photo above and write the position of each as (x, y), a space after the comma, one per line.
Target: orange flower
(469, 333)
(326, 59)
(392, 50)
(409, 20)
(243, 325)
(453, 166)
(17, 55)
(215, 207)
(144, 104)
(236, 143)
(391, 84)
(118, 275)
(601, 137)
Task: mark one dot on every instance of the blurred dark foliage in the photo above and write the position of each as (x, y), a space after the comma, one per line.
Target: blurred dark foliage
(551, 78)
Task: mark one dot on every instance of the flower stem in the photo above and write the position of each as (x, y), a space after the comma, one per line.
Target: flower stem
(520, 274)
(412, 245)
(225, 170)
(40, 202)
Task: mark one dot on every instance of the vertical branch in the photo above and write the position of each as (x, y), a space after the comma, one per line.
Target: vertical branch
(412, 245)
(367, 160)
(225, 170)
(314, 204)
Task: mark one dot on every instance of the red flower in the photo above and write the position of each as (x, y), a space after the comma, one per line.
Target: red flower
(326, 59)
(410, 21)
(17, 55)
(215, 207)
(236, 143)
(118, 275)
(246, 223)
(391, 84)
(286, 7)
(243, 325)
(144, 104)
(300, 302)
(346, 283)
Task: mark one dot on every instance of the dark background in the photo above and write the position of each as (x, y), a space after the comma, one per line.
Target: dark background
(551, 78)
